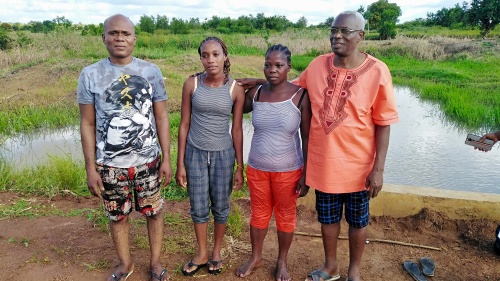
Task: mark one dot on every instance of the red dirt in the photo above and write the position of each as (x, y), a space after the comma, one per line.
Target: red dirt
(58, 247)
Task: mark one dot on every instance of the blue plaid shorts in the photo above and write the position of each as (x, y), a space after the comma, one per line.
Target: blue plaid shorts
(209, 183)
(329, 208)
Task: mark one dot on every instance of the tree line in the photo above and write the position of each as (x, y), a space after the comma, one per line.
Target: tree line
(482, 14)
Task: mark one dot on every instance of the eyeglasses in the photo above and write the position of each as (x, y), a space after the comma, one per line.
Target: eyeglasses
(343, 30)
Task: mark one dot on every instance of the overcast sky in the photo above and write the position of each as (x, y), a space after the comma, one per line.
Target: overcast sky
(90, 11)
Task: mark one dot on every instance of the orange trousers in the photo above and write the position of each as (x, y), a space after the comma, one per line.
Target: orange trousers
(273, 190)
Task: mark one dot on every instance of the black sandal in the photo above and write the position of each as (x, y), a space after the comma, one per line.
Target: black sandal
(214, 264)
(159, 277)
(193, 272)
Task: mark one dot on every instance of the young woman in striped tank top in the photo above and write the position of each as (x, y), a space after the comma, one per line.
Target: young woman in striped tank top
(207, 150)
(276, 163)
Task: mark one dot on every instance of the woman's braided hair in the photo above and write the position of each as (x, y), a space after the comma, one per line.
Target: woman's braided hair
(282, 49)
(227, 63)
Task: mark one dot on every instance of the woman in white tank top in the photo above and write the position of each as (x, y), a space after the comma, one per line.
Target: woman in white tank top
(278, 155)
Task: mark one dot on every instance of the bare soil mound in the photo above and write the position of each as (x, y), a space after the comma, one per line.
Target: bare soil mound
(68, 245)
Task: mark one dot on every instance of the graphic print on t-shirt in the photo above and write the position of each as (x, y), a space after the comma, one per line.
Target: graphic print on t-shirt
(127, 130)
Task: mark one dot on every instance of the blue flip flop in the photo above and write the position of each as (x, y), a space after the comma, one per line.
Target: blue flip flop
(318, 274)
(158, 277)
(427, 265)
(414, 271)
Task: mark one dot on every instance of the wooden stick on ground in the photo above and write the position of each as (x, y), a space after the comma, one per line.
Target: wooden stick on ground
(375, 240)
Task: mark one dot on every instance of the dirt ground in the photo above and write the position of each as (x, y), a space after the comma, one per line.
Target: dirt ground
(70, 247)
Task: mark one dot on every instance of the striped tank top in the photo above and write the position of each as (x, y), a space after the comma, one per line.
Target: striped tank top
(210, 114)
(276, 145)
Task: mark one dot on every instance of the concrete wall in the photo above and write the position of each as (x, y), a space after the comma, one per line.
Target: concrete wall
(402, 201)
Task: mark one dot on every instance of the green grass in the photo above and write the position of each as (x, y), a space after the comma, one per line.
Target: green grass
(27, 119)
(174, 192)
(23, 208)
(98, 265)
(300, 62)
(234, 222)
(175, 120)
(426, 31)
(7, 171)
(27, 207)
(24, 241)
(241, 193)
(466, 89)
(98, 219)
(141, 241)
(60, 175)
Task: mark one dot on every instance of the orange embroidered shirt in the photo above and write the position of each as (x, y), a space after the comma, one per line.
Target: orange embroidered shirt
(346, 105)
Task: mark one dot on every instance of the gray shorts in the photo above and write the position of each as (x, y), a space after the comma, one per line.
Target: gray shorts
(210, 177)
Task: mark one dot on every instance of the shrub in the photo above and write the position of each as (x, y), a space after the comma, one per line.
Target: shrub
(5, 40)
(23, 39)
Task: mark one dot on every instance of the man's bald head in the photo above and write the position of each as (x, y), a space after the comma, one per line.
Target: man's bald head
(119, 38)
(119, 17)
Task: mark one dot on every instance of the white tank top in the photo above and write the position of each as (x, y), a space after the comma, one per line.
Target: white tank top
(276, 145)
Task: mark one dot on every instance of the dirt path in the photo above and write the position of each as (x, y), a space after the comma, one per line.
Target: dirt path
(69, 246)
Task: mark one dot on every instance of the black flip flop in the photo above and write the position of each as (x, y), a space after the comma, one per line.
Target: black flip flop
(414, 271)
(214, 264)
(428, 266)
(193, 272)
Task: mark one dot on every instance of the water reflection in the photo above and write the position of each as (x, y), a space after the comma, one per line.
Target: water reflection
(28, 150)
(425, 149)
(428, 150)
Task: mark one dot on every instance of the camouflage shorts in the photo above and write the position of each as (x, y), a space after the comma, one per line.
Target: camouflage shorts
(121, 185)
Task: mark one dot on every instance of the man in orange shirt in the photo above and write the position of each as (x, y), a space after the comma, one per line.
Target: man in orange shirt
(353, 106)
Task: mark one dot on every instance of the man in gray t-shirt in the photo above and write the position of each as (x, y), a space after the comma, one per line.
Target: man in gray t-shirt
(125, 135)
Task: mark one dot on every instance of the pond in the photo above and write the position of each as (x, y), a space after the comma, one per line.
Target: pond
(425, 150)
(27, 150)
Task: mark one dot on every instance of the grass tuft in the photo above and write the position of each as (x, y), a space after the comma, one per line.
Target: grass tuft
(235, 222)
